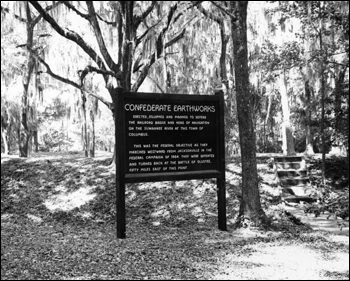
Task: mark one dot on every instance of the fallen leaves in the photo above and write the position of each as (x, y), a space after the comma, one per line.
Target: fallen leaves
(171, 227)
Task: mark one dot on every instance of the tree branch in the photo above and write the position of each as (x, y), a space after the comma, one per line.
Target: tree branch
(139, 38)
(91, 68)
(7, 10)
(47, 9)
(139, 19)
(233, 17)
(120, 37)
(137, 64)
(70, 6)
(87, 16)
(113, 23)
(338, 63)
(209, 14)
(156, 83)
(160, 47)
(194, 4)
(68, 81)
(71, 35)
(92, 15)
(152, 59)
(175, 39)
(37, 19)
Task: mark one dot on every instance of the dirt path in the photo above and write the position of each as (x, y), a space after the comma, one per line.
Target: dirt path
(323, 222)
(294, 261)
(289, 262)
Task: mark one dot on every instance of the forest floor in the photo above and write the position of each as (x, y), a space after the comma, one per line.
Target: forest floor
(58, 222)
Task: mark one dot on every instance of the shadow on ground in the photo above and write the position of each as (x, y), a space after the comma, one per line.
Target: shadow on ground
(83, 189)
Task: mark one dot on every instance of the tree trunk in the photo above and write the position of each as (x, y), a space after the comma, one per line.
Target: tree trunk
(30, 143)
(347, 141)
(223, 68)
(339, 126)
(36, 143)
(287, 134)
(24, 133)
(266, 123)
(250, 210)
(84, 127)
(92, 134)
(6, 128)
(337, 102)
(323, 127)
(322, 78)
(113, 160)
(23, 143)
(309, 150)
(5, 140)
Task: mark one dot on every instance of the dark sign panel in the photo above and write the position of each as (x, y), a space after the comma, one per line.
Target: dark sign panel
(169, 135)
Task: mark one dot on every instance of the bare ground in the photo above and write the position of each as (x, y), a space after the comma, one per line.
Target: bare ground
(58, 222)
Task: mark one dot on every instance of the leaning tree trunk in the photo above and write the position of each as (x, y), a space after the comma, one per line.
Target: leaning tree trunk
(250, 210)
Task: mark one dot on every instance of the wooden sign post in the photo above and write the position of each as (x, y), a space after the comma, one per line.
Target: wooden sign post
(168, 137)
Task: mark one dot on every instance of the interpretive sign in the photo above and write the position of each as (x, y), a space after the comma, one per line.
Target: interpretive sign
(168, 137)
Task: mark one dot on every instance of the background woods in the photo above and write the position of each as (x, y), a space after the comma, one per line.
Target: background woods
(297, 57)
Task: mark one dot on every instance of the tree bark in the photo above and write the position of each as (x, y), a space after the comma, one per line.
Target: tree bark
(250, 211)
(92, 136)
(5, 140)
(24, 133)
(322, 82)
(223, 68)
(6, 128)
(36, 142)
(287, 134)
(340, 126)
(309, 150)
(84, 125)
(337, 101)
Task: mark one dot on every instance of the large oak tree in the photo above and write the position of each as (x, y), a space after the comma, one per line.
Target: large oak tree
(144, 32)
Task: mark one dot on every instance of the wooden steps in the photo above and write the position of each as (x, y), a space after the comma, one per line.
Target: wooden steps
(292, 178)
